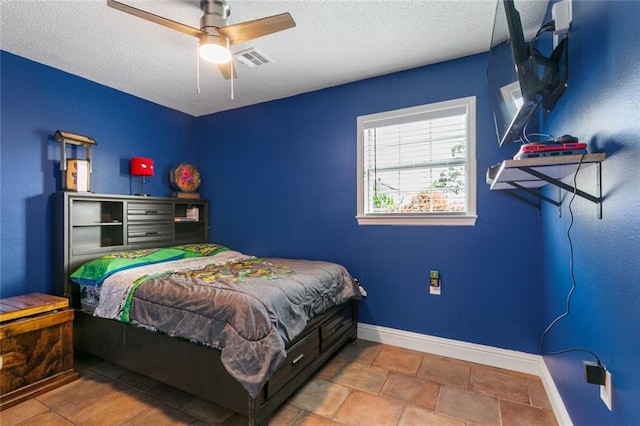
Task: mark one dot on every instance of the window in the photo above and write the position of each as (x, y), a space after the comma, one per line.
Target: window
(416, 166)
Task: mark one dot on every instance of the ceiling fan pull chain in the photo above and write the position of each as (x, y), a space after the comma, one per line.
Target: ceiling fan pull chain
(198, 68)
(232, 77)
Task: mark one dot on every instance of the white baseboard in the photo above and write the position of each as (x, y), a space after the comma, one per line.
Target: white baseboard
(472, 352)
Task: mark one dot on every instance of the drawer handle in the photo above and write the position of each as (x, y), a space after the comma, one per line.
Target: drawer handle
(298, 358)
(150, 233)
(338, 327)
(151, 212)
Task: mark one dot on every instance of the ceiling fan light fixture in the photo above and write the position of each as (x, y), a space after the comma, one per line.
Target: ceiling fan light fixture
(215, 34)
(213, 49)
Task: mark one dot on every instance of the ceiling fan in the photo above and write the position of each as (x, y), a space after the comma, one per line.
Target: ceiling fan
(215, 35)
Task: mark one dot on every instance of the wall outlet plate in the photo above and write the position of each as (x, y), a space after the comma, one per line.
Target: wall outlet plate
(605, 390)
(434, 282)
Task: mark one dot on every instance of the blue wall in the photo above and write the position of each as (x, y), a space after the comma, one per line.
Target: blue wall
(601, 106)
(282, 178)
(38, 100)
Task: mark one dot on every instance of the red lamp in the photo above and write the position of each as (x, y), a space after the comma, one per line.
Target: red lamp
(141, 166)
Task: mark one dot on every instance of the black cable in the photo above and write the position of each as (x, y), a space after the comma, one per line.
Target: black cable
(548, 137)
(573, 278)
(549, 26)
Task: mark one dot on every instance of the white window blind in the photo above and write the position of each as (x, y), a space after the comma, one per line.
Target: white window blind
(418, 163)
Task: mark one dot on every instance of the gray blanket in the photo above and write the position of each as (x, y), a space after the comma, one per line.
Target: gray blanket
(249, 309)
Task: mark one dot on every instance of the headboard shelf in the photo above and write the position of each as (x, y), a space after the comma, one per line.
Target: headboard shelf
(87, 226)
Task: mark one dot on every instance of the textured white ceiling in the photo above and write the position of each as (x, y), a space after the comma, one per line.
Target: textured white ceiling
(334, 42)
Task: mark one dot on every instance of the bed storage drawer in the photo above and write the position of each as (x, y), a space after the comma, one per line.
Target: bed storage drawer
(150, 212)
(150, 232)
(332, 329)
(298, 357)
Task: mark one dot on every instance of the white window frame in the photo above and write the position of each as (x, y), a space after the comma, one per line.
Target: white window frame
(368, 121)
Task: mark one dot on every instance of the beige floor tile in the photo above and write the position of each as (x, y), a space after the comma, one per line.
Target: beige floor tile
(360, 350)
(331, 368)
(160, 415)
(397, 360)
(21, 412)
(505, 371)
(364, 384)
(285, 415)
(73, 397)
(310, 419)
(515, 414)
(362, 376)
(112, 409)
(412, 390)
(365, 409)
(48, 418)
(320, 397)
(445, 371)
(499, 384)
(414, 416)
(468, 406)
(407, 350)
(537, 395)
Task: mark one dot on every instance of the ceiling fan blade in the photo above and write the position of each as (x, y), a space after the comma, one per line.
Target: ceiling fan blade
(225, 69)
(245, 31)
(155, 18)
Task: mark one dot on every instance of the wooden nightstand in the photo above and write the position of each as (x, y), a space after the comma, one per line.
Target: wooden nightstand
(36, 346)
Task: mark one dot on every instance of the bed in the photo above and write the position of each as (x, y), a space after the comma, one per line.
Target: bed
(241, 331)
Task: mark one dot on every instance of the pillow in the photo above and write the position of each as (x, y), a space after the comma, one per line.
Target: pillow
(200, 250)
(93, 273)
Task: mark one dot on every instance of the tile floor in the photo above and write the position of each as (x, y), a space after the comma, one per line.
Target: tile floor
(364, 384)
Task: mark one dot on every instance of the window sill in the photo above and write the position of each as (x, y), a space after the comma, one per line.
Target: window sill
(431, 220)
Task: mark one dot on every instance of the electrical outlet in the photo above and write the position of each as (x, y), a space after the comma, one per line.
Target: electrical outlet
(434, 282)
(605, 390)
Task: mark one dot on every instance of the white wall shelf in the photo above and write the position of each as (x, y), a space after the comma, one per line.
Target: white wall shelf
(531, 174)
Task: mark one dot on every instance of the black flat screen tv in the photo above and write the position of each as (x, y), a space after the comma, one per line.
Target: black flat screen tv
(521, 79)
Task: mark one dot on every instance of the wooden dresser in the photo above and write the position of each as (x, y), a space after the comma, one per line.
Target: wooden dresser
(36, 346)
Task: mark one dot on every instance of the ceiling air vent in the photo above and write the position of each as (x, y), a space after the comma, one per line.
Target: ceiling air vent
(252, 57)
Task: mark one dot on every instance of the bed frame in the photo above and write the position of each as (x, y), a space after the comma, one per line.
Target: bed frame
(198, 369)
(193, 368)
